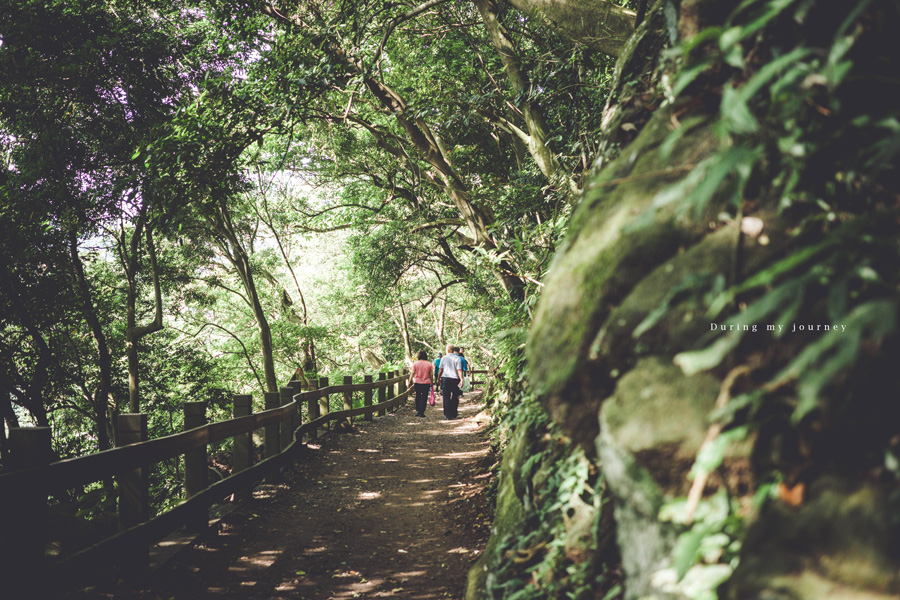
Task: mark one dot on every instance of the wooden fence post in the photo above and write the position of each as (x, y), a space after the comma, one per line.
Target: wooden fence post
(134, 489)
(288, 424)
(367, 397)
(242, 455)
(312, 408)
(348, 397)
(195, 461)
(298, 413)
(324, 407)
(24, 516)
(410, 396)
(382, 393)
(392, 389)
(273, 435)
(298, 389)
(196, 471)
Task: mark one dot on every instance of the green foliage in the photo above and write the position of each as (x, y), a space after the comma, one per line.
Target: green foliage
(793, 112)
(540, 558)
(706, 551)
(809, 147)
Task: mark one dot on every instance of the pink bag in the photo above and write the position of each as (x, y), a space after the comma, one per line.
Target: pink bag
(431, 400)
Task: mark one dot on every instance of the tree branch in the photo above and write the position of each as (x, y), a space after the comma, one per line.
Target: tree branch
(405, 17)
(236, 338)
(441, 289)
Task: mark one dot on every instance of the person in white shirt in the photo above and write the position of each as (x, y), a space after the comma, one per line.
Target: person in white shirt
(450, 375)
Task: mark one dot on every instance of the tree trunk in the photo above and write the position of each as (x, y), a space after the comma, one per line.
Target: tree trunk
(33, 398)
(442, 319)
(535, 139)
(104, 386)
(134, 332)
(308, 344)
(228, 242)
(404, 333)
(598, 24)
(7, 419)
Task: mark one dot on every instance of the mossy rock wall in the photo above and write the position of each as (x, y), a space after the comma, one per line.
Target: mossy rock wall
(789, 508)
(546, 524)
(604, 365)
(508, 512)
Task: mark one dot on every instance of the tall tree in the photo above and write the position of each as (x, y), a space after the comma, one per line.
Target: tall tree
(536, 138)
(226, 236)
(130, 246)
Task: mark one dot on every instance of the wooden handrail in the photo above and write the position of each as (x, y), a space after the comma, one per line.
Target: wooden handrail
(72, 472)
(75, 567)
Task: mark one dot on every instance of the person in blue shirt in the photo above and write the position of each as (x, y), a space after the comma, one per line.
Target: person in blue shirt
(465, 366)
(437, 370)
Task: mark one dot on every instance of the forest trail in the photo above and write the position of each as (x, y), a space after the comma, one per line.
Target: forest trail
(394, 509)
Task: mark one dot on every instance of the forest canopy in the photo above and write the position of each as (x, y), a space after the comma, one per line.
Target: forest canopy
(219, 182)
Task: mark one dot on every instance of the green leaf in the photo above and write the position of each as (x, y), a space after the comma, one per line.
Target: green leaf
(726, 413)
(691, 282)
(730, 37)
(712, 453)
(795, 301)
(735, 101)
(686, 77)
(738, 160)
(735, 57)
(769, 275)
(735, 34)
(614, 592)
(683, 187)
(693, 362)
(736, 113)
(700, 38)
(771, 69)
(704, 579)
(687, 549)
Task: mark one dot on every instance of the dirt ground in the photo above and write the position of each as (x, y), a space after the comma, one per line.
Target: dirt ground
(394, 509)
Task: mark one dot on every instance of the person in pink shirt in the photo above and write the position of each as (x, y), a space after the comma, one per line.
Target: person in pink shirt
(420, 378)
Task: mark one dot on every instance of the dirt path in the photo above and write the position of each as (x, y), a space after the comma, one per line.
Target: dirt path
(395, 509)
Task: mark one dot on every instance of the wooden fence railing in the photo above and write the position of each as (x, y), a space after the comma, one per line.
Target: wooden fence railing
(475, 372)
(30, 477)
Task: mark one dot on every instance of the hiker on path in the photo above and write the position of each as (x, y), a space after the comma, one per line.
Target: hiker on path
(420, 378)
(450, 375)
(465, 371)
(437, 370)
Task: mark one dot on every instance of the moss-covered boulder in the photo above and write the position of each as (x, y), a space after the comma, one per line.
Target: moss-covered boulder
(609, 249)
(508, 512)
(666, 338)
(651, 429)
(839, 544)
